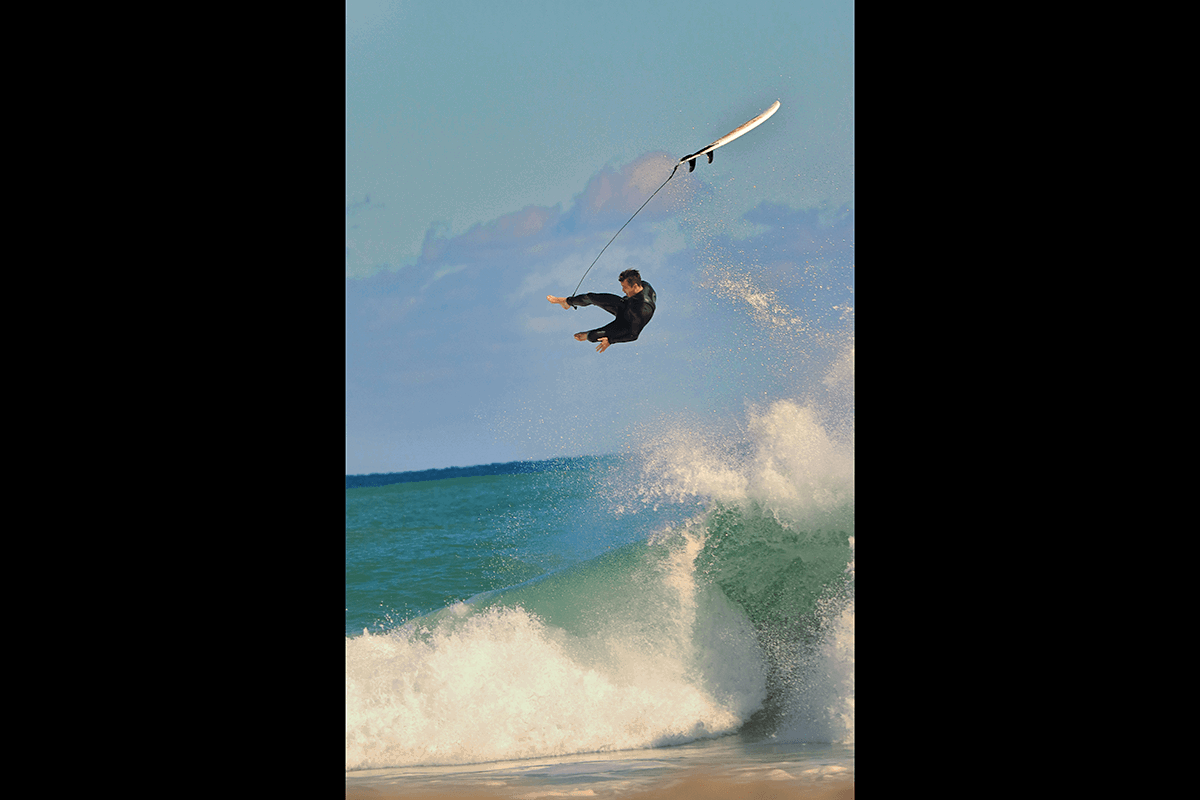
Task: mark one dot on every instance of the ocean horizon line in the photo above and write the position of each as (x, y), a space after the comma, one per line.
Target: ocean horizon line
(478, 470)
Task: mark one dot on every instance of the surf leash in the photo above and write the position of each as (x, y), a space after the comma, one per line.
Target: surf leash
(618, 233)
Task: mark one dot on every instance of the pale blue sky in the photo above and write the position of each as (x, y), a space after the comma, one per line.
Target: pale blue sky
(493, 148)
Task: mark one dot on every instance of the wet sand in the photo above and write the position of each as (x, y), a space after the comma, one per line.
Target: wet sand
(694, 786)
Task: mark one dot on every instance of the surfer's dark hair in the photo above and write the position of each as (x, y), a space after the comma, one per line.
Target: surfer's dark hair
(631, 276)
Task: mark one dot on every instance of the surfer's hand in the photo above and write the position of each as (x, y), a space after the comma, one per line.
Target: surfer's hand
(603, 344)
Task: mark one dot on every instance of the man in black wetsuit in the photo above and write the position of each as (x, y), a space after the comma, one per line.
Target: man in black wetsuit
(632, 311)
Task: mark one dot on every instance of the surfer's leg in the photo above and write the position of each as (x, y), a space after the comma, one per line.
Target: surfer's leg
(594, 335)
(609, 302)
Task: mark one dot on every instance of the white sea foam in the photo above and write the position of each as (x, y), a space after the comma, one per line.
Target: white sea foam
(503, 684)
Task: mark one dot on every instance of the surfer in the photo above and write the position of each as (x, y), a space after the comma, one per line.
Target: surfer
(632, 311)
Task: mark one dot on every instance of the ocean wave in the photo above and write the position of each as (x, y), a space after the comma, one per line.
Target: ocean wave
(739, 619)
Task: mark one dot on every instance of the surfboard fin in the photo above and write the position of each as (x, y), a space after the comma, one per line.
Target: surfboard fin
(710, 155)
(691, 165)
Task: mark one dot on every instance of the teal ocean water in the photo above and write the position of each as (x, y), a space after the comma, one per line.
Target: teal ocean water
(610, 616)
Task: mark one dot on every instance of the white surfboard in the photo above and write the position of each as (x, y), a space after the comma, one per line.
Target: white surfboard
(729, 137)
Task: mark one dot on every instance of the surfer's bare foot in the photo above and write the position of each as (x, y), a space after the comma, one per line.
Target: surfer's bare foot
(581, 337)
(562, 301)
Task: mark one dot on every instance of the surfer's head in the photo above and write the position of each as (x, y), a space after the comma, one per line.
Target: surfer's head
(631, 282)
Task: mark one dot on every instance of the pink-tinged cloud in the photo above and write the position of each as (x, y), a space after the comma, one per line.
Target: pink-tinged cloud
(615, 194)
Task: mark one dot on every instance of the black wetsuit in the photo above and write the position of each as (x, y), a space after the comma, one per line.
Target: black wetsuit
(632, 313)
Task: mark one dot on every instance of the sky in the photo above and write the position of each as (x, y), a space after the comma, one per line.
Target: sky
(493, 149)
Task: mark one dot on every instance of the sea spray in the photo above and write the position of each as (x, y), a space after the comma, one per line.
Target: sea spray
(787, 462)
(779, 533)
